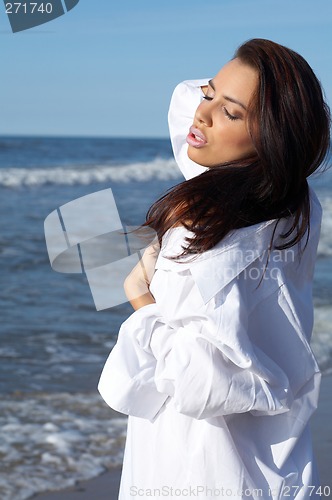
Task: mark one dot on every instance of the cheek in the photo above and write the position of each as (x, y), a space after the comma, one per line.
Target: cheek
(245, 142)
(233, 143)
(241, 139)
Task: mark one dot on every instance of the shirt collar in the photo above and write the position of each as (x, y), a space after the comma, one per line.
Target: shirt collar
(217, 267)
(226, 262)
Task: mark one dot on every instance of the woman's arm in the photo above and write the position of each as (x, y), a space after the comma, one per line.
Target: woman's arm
(208, 367)
(185, 99)
(137, 283)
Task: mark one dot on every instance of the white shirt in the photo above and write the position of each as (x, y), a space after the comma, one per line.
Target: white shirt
(218, 377)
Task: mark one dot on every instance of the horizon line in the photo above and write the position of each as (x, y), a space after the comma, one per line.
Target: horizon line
(84, 136)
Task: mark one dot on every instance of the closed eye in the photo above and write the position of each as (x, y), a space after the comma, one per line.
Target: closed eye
(226, 113)
(229, 116)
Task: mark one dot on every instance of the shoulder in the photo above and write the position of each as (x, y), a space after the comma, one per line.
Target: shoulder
(245, 256)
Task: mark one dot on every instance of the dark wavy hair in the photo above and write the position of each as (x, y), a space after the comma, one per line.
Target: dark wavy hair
(289, 124)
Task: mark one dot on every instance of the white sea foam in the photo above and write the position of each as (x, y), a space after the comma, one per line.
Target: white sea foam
(322, 337)
(325, 243)
(157, 169)
(161, 169)
(48, 442)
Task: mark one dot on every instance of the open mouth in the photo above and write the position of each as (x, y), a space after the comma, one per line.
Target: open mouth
(196, 138)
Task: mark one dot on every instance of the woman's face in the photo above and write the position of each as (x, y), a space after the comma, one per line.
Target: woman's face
(219, 133)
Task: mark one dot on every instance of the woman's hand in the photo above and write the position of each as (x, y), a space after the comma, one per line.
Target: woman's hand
(136, 285)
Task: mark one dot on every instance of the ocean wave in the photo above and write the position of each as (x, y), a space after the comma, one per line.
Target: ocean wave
(162, 169)
(157, 169)
(49, 442)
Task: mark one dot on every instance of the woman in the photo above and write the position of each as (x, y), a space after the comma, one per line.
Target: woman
(214, 367)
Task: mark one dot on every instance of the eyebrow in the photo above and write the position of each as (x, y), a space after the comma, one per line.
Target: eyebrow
(230, 99)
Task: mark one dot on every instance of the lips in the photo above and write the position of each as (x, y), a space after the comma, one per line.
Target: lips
(196, 138)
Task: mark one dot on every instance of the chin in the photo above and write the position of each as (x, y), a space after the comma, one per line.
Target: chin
(193, 156)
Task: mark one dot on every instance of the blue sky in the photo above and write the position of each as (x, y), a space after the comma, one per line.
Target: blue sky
(108, 68)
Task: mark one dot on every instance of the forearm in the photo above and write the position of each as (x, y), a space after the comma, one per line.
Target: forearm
(136, 285)
(137, 292)
(142, 301)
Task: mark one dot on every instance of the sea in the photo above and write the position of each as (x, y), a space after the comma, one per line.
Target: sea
(54, 427)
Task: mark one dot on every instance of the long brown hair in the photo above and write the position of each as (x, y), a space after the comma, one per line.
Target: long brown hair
(289, 126)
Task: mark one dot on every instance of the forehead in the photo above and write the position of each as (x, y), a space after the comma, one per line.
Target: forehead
(236, 80)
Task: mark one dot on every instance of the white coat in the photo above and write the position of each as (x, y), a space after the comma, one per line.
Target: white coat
(218, 377)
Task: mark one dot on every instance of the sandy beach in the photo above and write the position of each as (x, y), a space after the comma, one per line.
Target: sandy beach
(106, 487)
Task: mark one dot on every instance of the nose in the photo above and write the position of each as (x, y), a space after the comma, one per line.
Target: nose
(203, 114)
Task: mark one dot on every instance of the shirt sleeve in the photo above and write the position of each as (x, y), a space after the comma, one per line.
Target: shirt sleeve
(208, 367)
(185, 100)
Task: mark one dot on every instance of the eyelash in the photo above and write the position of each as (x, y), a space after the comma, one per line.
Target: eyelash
(228, 115)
